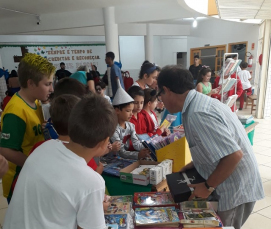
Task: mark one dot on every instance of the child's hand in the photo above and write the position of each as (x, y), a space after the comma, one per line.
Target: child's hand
(214, 91)
(106, 205)
(43, 125)
(116, 146)
(144, 153)
(167, 132)
(160, 105)
(100, 168)
(109, 146)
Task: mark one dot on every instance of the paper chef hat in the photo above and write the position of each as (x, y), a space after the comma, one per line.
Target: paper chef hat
(121, 96)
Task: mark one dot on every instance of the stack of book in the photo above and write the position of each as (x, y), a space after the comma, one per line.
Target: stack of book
(156, 217)
(118, 213)
(231, 67)
(246, 119)
(199, 214)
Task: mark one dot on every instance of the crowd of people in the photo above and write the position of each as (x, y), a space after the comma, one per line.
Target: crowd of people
(55, 183)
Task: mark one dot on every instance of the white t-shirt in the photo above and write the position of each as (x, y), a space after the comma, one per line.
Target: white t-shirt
(45, 110)
(108, 98)
(244, 76)
(154, 120)
(56, 189)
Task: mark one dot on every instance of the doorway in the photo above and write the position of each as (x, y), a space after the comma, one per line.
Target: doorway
(240, 48)
(182, 59)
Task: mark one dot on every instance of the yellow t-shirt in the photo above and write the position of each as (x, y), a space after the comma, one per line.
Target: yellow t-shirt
(21, 130)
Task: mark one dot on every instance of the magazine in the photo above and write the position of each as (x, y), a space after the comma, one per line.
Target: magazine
(121, 220)
(118, 208)
(120, 199)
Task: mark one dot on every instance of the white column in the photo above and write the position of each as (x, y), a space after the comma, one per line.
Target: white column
(111, 31)
(149, 44)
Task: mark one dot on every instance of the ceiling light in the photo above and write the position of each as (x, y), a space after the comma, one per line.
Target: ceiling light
(195, 23)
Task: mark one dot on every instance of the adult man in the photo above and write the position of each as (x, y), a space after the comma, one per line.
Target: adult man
(115, 74)
(195, 68)
(220, 148)
(62, 72)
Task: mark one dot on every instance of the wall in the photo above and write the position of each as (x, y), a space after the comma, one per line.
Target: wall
(166, 48)
(219, 32)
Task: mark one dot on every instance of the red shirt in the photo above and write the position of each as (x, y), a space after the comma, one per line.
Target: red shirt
(239, 90)
(147, 124)
(137, 122)
(5, 101)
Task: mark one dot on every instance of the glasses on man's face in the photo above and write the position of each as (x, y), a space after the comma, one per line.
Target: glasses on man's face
(158, 96)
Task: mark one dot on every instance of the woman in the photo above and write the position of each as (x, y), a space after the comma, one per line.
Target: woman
(95, 74)
(83, 76)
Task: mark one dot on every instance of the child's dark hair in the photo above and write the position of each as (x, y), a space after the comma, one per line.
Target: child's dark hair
(244, 65)
(202, 73)
(150, 95)
(135, 91)
(101, 84)
(87, 131)
(196, 56)
(70, 86)
(121, 106)
(95, 67)
(60, 111)
(110, 55)
(9, 93)
(147, 68)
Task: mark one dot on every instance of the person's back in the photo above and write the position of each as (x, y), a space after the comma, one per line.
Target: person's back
(46, 189)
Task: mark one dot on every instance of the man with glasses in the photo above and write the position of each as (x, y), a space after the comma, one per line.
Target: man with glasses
(219, 146)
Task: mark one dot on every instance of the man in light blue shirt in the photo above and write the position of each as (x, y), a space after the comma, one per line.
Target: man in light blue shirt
(115, 73)
(219, 146)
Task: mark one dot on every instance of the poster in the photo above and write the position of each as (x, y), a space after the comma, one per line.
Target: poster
(72, 55)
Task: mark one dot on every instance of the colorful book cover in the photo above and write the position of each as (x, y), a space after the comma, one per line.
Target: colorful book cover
(121, 199)
(112, 226)
(112, 166)
(121, 220)
(118, 208)
(153, 199)
(156, 215)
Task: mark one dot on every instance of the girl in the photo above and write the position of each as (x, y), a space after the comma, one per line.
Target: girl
(147, 76)
(149, 123)
(203, 83)
(83, 76)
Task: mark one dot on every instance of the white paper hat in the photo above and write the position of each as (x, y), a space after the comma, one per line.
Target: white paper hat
(121, 96)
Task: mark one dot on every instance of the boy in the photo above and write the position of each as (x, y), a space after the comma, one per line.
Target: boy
(57, 195)
(100, 88)
(22, 118)
(125, 132)
(138, 95)
(245, 78)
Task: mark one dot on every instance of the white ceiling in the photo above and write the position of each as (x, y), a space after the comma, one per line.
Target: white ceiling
(244, 9)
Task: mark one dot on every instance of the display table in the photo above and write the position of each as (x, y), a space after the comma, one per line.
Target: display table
(116, 187)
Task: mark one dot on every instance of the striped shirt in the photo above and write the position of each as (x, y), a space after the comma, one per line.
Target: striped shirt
(213, 131)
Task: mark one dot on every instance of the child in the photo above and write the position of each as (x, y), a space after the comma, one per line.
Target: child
(203, 84)
(63, 191)
(22, 118)
(45, 105)
(100, 89)
(147, 75)
(125, 132)
(8, 97)
(149, 122)
(138, 96)
(245, 78)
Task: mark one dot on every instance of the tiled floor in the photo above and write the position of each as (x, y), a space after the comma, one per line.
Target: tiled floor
(261, 216)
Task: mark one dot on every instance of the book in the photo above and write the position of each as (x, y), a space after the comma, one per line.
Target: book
(157, 216)
(227, 85)
(235, 66)
(231, 100)
(118, 208)
(146, 141)
(121, 199)
(228, 68)
(246, 119)
(120, 220)
(153, 199)
(194, 205)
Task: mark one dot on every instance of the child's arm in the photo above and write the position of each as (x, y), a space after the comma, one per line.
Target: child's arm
(123, 152)
(199, 87)
(14, 156)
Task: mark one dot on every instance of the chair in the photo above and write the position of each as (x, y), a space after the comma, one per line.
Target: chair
(251, 99)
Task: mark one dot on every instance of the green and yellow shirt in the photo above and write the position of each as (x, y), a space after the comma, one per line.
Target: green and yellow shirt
(21, 130)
